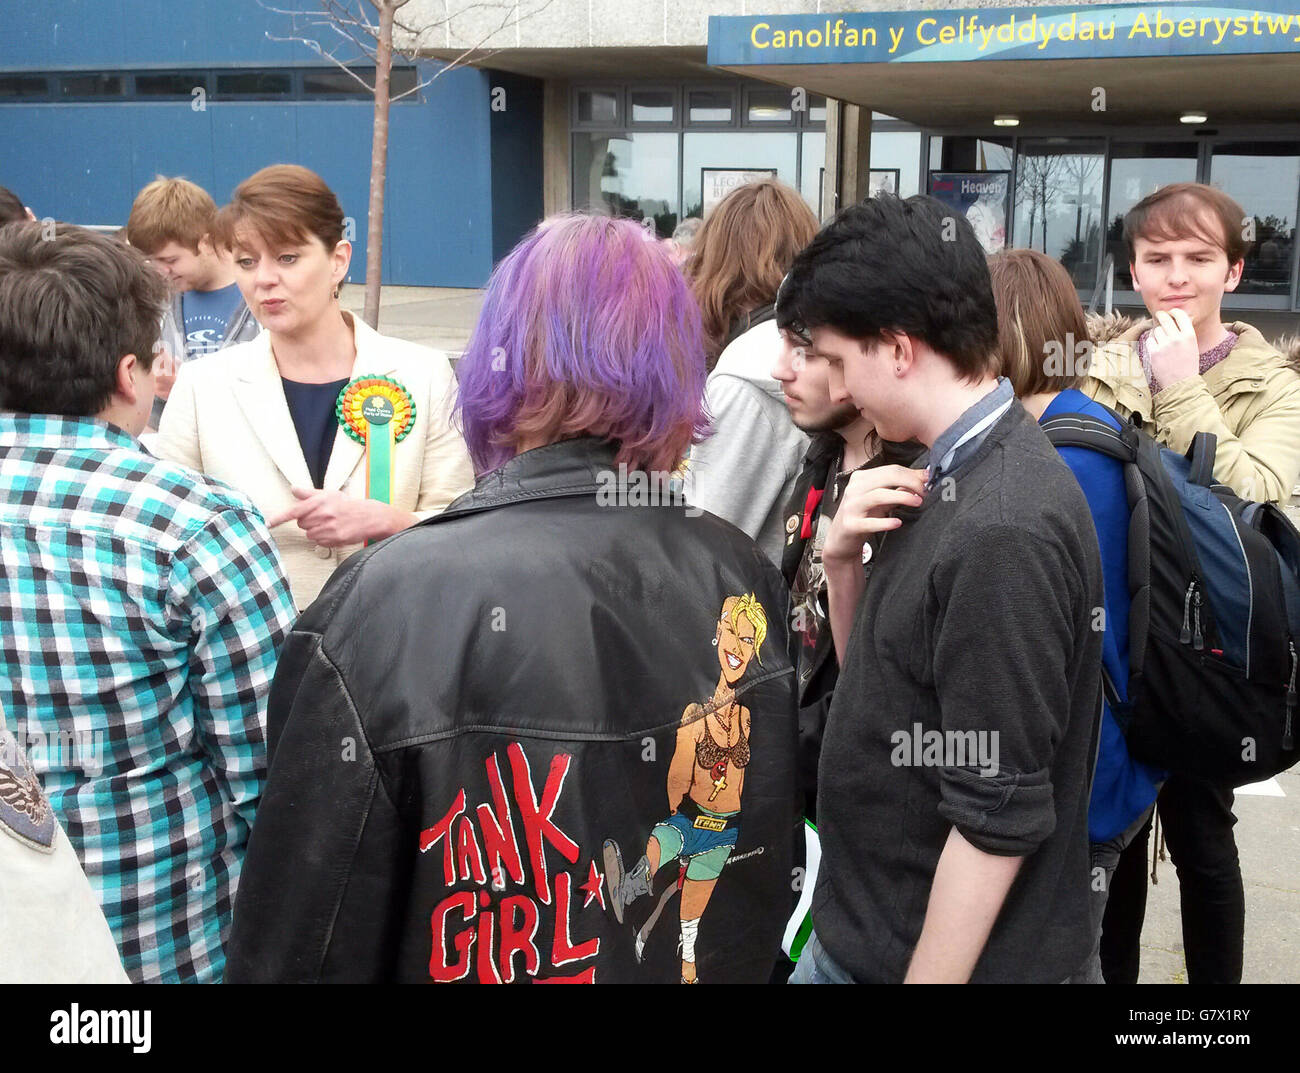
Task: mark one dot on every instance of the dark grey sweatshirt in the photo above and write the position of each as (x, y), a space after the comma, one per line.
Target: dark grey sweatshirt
(973, 649)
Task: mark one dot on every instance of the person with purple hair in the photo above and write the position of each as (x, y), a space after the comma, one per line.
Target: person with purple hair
(476, 706)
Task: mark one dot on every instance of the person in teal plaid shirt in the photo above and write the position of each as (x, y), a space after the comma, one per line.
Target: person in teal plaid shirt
(142, 606)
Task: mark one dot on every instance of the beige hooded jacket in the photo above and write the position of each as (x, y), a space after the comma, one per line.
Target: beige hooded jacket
(1250, 401)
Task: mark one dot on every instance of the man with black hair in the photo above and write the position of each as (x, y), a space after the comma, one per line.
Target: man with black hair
(843, 442)
(954, 773)
(142, 608)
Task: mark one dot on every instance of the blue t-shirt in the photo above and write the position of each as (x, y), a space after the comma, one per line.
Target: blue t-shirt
(312, 407)
(206, 315)
(1122, 787)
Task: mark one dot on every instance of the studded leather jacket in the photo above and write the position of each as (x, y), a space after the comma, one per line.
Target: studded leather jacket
(484, 742)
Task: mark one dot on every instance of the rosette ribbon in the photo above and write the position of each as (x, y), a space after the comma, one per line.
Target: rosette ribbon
(377, 412)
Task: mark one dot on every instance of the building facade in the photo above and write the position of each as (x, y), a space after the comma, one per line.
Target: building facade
(1075, 111)
(98, 99)
(1057, 118)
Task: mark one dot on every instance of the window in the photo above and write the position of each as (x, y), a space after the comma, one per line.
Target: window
(970, 154)
(653, 105)
(96, 85)
(1136, 170)
(768, 106)
(710, 105)
(736, 149)
(169, 83)
(812, 164)
(1265, 178)
(597, 107)
(900, 149)
(23, 86)
(632, 175)
(1058, 203)
(244, 83)
(334, 82)
(644, 145)
(264, 84)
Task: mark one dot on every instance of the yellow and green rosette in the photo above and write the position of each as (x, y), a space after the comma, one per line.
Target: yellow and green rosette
(377, 412)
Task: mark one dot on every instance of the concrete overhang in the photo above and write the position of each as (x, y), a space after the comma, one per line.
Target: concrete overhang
(616, 64)
(1154, 90)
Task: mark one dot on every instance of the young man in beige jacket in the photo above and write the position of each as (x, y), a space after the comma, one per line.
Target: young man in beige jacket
(1185, 371)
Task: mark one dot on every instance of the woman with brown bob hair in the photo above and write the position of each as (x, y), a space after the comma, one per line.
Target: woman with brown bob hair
(745, 471)
(287, 417)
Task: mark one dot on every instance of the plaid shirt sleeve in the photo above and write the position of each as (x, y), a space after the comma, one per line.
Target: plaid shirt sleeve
(227, 588)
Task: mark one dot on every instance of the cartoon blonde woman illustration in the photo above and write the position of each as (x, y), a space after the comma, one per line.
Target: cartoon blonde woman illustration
(706, 779)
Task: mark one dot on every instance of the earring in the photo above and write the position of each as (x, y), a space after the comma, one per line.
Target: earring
(715, 642)
(337, 288)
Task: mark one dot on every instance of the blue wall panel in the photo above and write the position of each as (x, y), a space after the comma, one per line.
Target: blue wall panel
(146, 33)
(85, 162)
(440, 178)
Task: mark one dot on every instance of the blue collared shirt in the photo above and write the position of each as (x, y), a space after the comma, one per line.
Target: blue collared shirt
(141, 612)
(960, 439)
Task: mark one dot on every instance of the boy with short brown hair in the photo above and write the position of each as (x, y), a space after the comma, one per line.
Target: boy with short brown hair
(171, 222)
(1185, 371)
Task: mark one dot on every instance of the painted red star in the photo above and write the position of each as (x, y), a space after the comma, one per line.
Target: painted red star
(594, 887)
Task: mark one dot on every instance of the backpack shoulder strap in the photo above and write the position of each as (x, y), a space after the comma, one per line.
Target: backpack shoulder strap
(1083, 430)
(1201, 456)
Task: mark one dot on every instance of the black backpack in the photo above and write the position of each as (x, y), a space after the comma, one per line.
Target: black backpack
(1214, 583)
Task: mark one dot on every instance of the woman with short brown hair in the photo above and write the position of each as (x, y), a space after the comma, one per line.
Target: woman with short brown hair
(281, 417)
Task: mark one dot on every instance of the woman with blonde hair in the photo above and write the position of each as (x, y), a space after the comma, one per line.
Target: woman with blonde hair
(745, 471)
(339, 435)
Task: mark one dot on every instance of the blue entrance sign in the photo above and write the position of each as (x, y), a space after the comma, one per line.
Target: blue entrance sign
(1030, 33)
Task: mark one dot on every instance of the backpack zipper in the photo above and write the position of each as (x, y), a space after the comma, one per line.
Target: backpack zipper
(1198, 638)
(1288, 742)
(1185, 637)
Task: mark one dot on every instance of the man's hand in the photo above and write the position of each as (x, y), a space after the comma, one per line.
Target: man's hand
(164, 368)
(1172, 348)
(870, 496)
(333, 519)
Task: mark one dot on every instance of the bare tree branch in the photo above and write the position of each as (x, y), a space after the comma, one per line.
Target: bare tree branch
(346, 23)
(315, 47)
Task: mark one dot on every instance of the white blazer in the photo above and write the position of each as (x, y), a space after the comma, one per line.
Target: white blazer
(227, 417)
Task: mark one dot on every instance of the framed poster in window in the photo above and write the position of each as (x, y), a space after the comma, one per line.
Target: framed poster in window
(882, 181)
(980, 196)
(717, 183)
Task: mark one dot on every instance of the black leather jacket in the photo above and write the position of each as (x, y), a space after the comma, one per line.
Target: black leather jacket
(483, 724)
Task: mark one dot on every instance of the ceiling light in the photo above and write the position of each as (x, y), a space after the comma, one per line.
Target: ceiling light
(1193, 117)
(1006, 121)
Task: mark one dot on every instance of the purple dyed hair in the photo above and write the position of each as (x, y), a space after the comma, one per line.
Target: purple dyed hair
(587, 328)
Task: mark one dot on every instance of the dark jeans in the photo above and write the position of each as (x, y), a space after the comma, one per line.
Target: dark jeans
(1197, 820)
(1105, 857)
